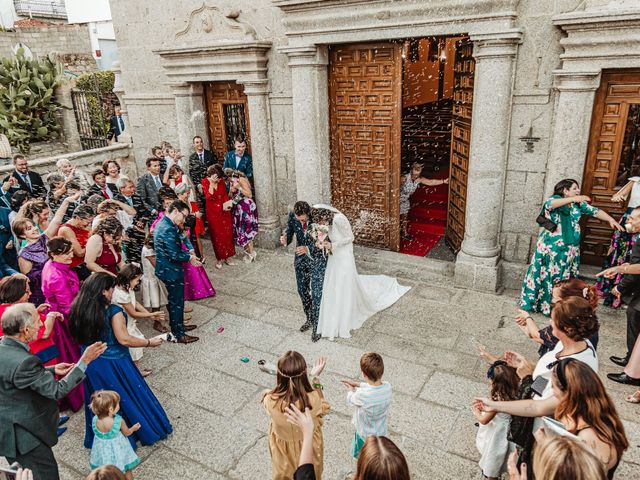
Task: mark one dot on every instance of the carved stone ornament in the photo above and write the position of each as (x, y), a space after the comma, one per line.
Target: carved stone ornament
(215, 24)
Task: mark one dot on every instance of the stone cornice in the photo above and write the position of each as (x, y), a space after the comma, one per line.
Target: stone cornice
(578, 81)
(220, 61)
(598, 19)
(305, 56)
(322, 21)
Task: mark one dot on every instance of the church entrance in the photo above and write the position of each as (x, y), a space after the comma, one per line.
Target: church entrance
(227, 116)
(394, 105)
(613, 156)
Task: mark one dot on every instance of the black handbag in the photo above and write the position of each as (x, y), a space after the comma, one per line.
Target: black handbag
(545, 223)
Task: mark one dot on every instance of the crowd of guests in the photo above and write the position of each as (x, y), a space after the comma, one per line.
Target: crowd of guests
(75, 247)
(553, 418)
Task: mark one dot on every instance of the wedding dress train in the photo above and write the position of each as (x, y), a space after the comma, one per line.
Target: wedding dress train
(349, 299)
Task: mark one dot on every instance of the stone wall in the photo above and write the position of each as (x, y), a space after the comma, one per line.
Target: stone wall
(148, 97)
(70, 44)
(86, 160)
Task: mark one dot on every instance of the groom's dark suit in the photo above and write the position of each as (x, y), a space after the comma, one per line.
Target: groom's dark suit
(318, 266)
(302, 263)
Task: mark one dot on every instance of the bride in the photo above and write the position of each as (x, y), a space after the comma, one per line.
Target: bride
(349, 299)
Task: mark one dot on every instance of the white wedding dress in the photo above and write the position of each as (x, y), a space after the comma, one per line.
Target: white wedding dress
(349, 299)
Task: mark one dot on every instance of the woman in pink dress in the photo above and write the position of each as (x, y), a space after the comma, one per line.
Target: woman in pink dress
(60, 286)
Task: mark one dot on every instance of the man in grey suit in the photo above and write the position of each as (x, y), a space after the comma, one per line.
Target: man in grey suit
(148, 186)
(28, 393)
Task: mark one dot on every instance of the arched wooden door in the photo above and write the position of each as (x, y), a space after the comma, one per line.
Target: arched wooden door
(365, 99)
(613, 156)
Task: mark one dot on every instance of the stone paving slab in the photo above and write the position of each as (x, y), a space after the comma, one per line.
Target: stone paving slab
(429, 342)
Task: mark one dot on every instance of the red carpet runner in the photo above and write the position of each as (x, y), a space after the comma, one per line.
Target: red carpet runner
(427, 219)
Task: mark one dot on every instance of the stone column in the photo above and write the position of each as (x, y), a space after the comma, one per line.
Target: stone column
(190, 118)
(68, 117)
(257, 92)
(572, 126)
(118, 89)
(478, 262)
(309, 83)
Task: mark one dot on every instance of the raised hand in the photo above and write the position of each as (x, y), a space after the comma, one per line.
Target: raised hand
(318, 366)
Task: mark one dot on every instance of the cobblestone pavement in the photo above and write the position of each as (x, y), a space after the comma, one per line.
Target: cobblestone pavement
(428, 340)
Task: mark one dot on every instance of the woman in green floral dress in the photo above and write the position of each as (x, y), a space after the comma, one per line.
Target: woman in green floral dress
(557, 255)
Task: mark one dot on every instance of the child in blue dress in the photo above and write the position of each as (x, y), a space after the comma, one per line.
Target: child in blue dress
(110, 447)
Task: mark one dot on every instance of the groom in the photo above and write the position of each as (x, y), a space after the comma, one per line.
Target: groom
(298, 225)
(319, 259)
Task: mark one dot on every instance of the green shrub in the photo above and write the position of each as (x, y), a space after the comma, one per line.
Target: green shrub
(28, 110)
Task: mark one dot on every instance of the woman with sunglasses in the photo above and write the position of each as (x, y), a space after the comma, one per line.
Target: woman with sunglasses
(583, 406)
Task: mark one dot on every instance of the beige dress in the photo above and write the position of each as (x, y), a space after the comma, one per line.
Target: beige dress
(285, 439)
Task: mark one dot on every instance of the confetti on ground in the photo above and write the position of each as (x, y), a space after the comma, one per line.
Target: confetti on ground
(220, 330)
(244, 360)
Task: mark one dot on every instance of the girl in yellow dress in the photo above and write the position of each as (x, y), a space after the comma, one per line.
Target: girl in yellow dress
(285, 439)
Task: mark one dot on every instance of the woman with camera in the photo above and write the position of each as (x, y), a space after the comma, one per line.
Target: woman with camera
(557, 255)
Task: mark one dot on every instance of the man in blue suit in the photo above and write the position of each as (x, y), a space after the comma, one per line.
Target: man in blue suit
(298, 224)
(169, 258)
(238, 159)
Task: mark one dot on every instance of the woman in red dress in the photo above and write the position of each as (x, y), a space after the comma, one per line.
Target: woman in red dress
(218, 212)
(103, 247)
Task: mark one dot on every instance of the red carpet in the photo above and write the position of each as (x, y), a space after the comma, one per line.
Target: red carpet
(427, 219)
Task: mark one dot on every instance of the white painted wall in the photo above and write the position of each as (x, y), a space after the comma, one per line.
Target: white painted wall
(7, 13)
(86, 11)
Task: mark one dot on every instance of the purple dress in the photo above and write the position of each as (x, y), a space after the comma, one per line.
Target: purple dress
(36, 253)
(245, 221)
(196, 281)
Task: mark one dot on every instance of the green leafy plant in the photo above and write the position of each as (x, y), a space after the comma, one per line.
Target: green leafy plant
(98, 89)
(28, 110)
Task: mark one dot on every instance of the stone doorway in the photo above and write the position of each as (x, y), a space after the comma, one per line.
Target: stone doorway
(438, 75)
(227, 116)
(613, 156)
(392, 104)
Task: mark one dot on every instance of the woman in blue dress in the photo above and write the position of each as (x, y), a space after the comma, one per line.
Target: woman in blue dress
(93, 318)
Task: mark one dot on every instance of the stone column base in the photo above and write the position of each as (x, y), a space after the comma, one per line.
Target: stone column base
(270, 232)
(478, 273)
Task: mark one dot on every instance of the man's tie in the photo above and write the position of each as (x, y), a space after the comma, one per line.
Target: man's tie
(104, 192)
(129, 201)
(157, 181)
(27, 180)
(121, 124)
(201, 155)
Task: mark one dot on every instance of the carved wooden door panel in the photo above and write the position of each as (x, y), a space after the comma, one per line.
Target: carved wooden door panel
(365, 98)
(464, 68)
(612, 158)
(227, 116)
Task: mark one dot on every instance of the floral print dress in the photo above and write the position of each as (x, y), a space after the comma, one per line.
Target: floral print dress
(554, 259)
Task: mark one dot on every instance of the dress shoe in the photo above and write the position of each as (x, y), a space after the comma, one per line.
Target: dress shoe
(63, 419)
(305, 326)
(188, 339)
(622, 361)
(60, 431)
(159, 327)
(188, 328)
(315, 337)
(623, 378)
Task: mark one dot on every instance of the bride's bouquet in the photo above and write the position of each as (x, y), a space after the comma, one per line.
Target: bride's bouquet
(320, 233)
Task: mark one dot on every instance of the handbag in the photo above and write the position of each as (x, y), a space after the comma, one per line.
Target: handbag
(545, 223)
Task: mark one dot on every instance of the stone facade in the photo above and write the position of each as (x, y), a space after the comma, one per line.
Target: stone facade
(69, 44)
(538, 65)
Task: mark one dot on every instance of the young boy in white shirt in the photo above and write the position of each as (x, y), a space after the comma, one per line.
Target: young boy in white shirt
(371, 400)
